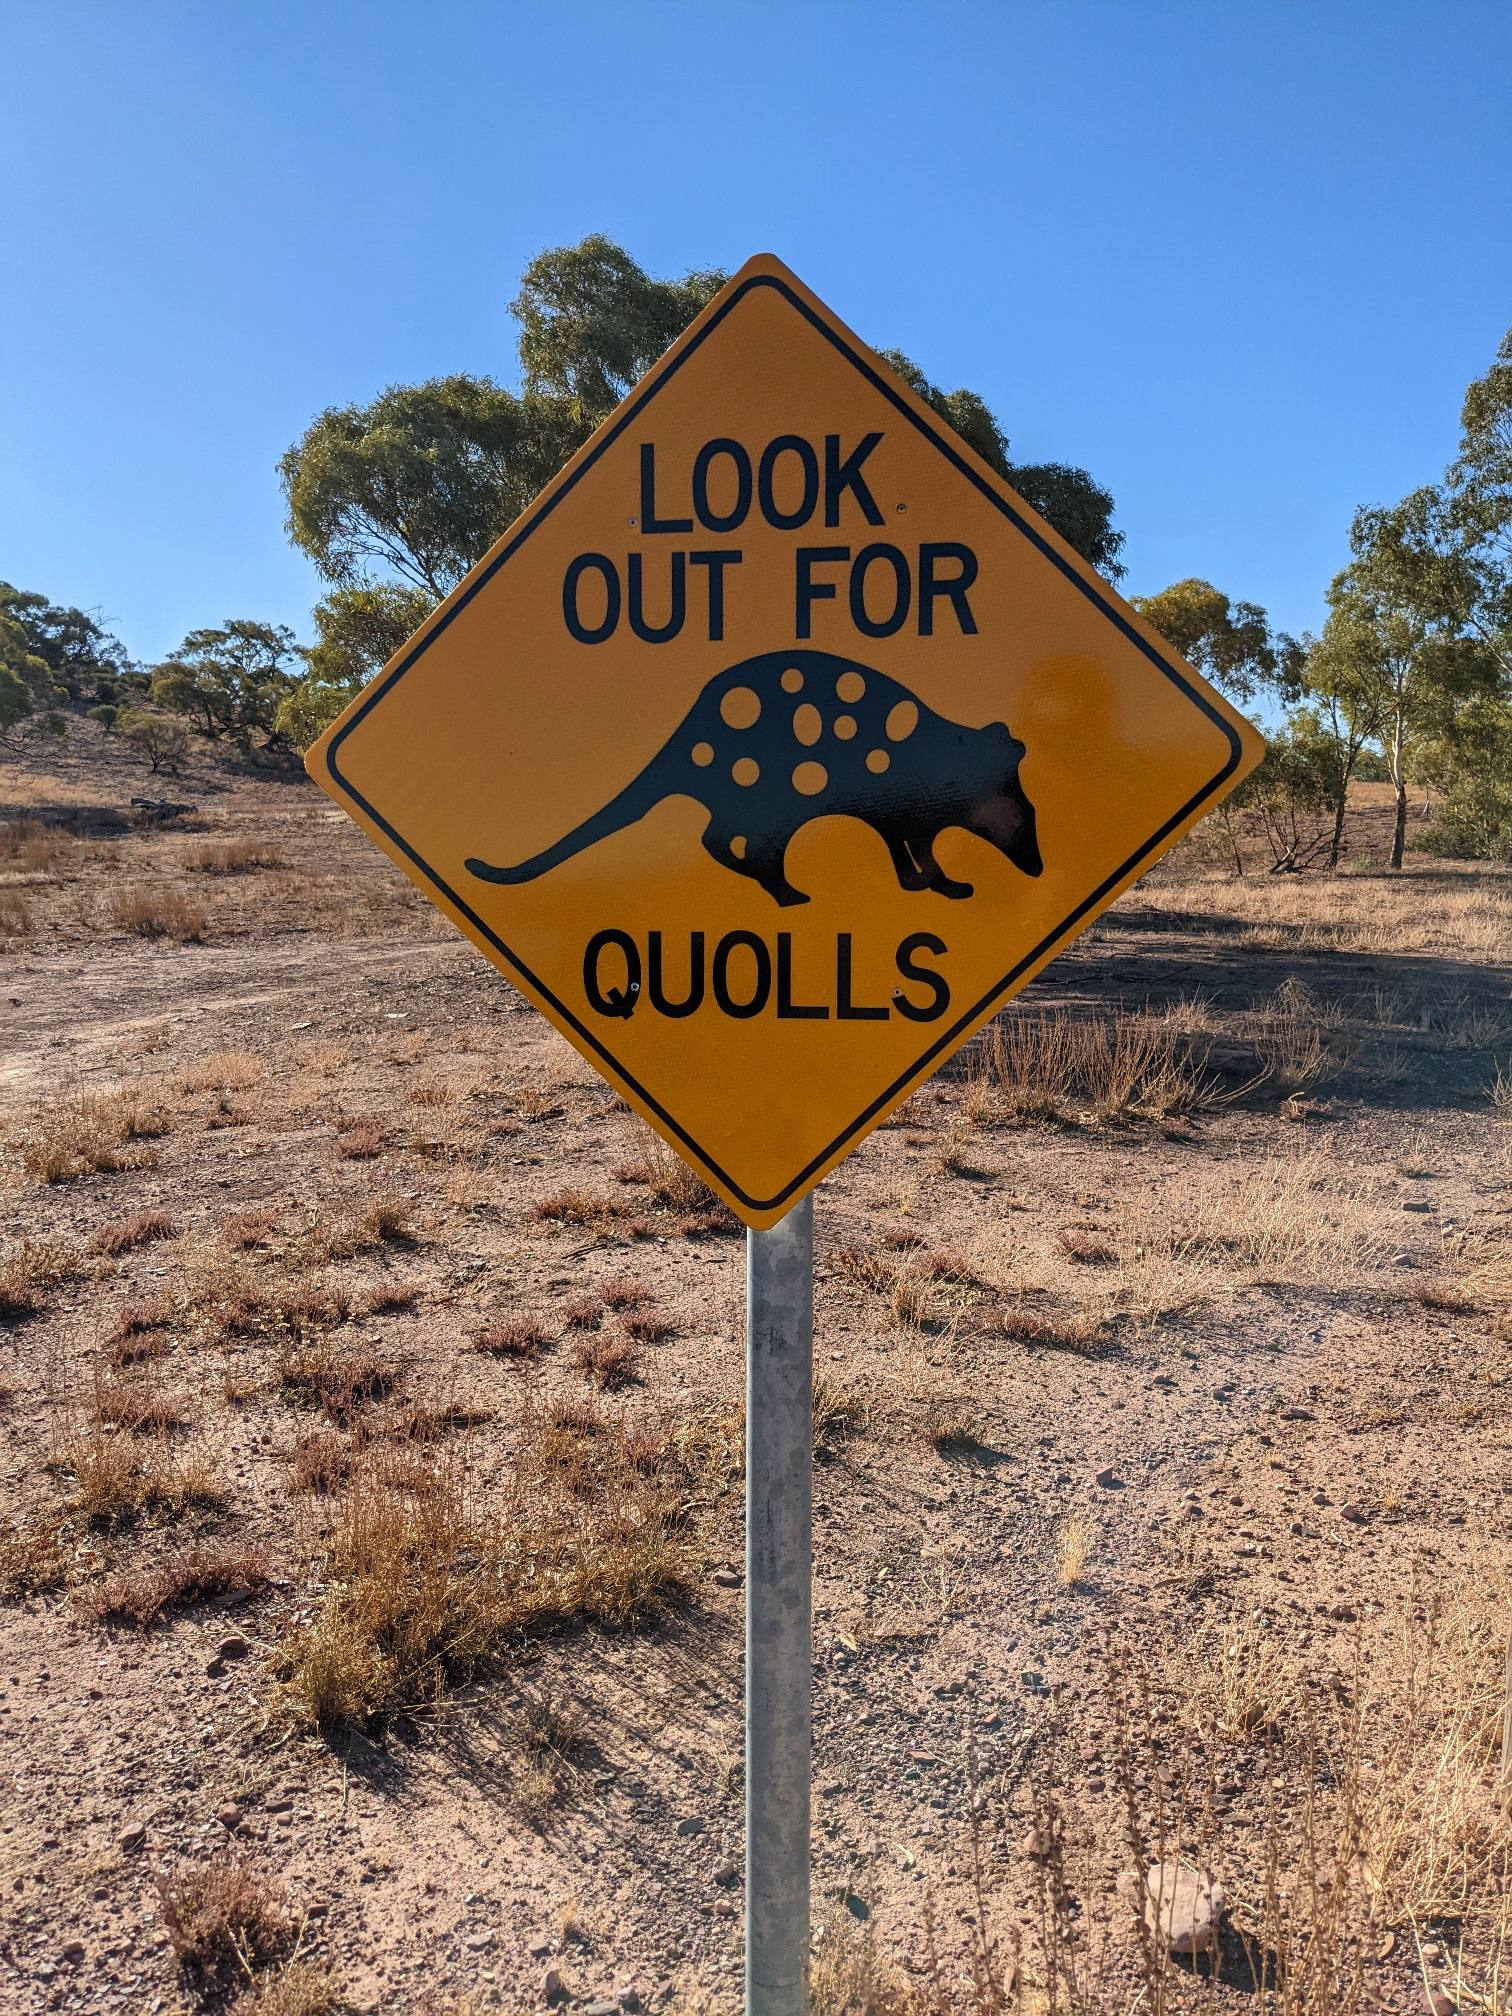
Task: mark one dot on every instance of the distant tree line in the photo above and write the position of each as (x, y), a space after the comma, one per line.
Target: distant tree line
(393, 502)
(1411, 678)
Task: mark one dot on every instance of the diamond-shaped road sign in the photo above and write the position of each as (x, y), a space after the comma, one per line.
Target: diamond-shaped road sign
(777, 745)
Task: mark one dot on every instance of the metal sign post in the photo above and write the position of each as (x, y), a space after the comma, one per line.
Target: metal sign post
(779, 1610)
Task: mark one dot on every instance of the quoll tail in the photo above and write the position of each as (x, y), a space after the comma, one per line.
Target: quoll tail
(633, 803)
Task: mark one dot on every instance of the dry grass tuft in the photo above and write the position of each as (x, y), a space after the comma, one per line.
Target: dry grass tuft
(624, 1292)
(136, 1318)
(156, 911)
(117, 1479)
(577, 1207)
(137, 1347)
(1084, 1247)
(609, 1361)
(302, 1988)
(138, 1230)
(137, 1406)
(516, 1337)
(28, 1271)
(361, 1140)
(1072, 1550)
(246, 1229)
(338, 1378)
(221, 1071)
(384, 1222)
(1030, 1063)
(584, 1312)
(322, 1462)
(232, 857)
(34, 1560)
(89, 1133)
(142, 1596)
(392, 1295)
(223, 1920)
(647, 1326)
(15, 918)
(1441, 1298)
(426, 1590)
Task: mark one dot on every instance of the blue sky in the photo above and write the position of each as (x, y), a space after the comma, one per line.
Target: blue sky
(1238, 259)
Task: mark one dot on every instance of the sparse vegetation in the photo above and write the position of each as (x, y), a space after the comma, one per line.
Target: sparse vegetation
(159, 912)
(123, 1235)
(143, 1596)
(224, 1920)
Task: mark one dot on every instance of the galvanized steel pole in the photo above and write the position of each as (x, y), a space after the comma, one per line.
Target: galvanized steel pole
(779, 1624)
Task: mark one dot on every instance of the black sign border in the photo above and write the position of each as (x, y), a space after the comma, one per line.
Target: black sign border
(653, 383)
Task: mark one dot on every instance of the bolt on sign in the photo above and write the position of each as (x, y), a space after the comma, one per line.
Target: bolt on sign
(777, 745)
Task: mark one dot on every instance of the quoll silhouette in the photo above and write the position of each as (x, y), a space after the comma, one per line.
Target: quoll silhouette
(792, 736)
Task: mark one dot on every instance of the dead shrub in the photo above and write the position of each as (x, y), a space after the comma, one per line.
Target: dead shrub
(717, 1222)
(577, 1207)
(28, 1270)
(300, 1988)
(609, 1361)
(87, 1134)
(118, 1478)
(223, 1920)
(1442, 1299)
(949, 1426)
(584, 1312)
(672, 1184)
(866, 1270)
(384, 1222)
(516, 1337)
(142, 1596)
(246, 1229)
(648, 1326)
(361, 1140)
(839, 1409)
(232, 857)
(140, 1229)
(156, 911)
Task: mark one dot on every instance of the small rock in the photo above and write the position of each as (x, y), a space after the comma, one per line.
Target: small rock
(551, 1985)
(230, 1816)
(600, 2009)
(690, 1824)
(1440, 2004)
(74, 1950)
(234, 1647)
(214, 1669)
(1108, 1479)
(728, 1578)
(1432, 1952)
(628, 1997)
(1033, 1681)
(131, 1836)
(1355, 1515)
(1180, 1905)
(478, 1942)
(1387, 1947)
(49, 1840)
(1035, 1844)
(1341, 1613)
(1298, 1414)
(724, 1872)
(538, 1948)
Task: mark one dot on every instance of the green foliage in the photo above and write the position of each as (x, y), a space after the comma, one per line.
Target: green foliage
(422, 481)
(419, 483)
(359, 629)
(229, 681)
(1472, 765)
(161, 742)
(1066, 498)
(107, 715)
(70, 645)
(1228, 642)
(1480, 499)
(15, 700)
(593, 322)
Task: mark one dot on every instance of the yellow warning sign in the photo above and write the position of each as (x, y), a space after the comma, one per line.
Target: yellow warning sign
(777, 745)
